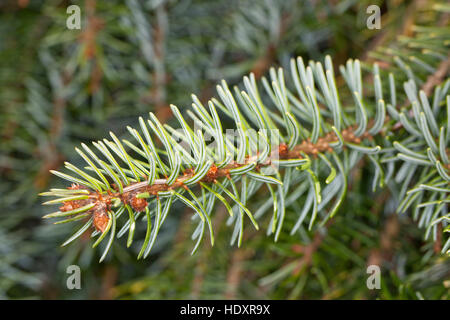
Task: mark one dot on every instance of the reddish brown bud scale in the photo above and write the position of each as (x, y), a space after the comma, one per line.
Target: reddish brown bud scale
(68, 206)
(101, 220)
(212, 174)
(138, 204)
(283, 150)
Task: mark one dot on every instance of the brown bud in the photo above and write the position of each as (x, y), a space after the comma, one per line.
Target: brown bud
(69, 205)
(212, 174)
(101, 220)
(139, 204)
(283, 150)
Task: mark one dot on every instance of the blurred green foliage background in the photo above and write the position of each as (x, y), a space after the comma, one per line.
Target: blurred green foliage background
(61, 87)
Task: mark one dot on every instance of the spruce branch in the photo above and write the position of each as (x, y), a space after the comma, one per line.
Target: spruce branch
(291, 139)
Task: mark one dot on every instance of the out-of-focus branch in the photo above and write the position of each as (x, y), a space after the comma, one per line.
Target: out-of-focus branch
(200, 268)
(52, 158)
(236, 271)
(109, 279)
(158, 90)
(437, 77)
(309, 250)
(263, 63)
(88, 38)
